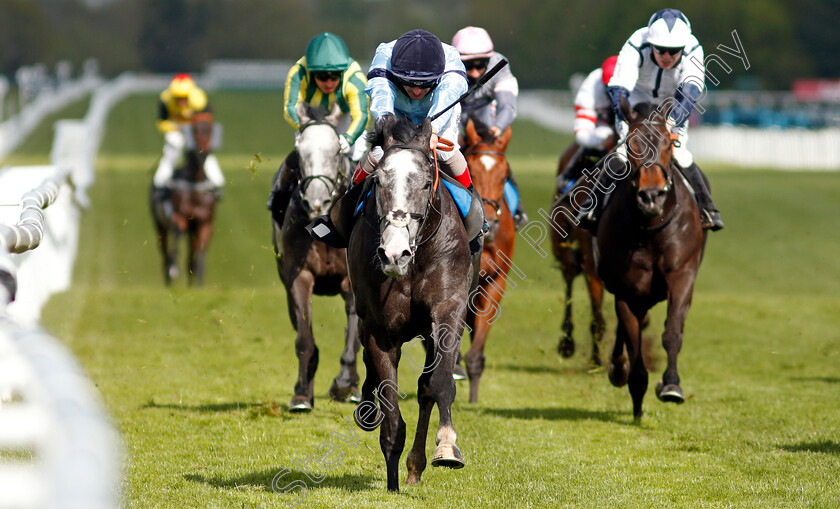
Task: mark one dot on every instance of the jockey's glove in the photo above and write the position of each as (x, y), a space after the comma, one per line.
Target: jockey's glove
(343, 144)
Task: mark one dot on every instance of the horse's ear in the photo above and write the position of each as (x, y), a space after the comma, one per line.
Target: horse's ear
(303, 113)
(383, 127)
(626, 110)
(503, 140)
(332, 118)
(473, 138)
(426, 130)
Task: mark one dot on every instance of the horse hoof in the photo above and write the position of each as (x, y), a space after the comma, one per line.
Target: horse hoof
(459, 373)
(344, 394)
(447, 456)
(300, 404)
(566, 347)
(173, 272)
(619, 375)
(670, 393)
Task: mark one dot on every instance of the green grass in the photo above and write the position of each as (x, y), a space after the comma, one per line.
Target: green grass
(197, 380)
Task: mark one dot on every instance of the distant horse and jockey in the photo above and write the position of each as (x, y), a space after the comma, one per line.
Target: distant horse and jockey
(490, 170)
(189, 207)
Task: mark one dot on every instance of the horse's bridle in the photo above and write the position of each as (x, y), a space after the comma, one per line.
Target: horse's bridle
(668, 178)
(669, 181)
(333, 184)
(496, 204)
(400, 219)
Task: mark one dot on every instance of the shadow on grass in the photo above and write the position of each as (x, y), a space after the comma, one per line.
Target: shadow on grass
(287, 481)
(826, 447)
(824, 379)
(209, 407)
(555, 414)
(554, 370)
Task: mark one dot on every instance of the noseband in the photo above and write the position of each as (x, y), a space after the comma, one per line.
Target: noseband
(400, 218)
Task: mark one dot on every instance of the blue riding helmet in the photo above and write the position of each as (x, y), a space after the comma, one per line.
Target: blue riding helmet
(418, 59)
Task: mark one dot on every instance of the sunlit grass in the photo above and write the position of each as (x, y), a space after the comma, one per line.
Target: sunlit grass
(197, 380)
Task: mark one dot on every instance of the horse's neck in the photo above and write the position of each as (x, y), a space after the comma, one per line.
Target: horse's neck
(195, 165)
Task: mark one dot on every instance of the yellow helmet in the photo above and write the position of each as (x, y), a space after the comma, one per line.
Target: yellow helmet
(181, 85)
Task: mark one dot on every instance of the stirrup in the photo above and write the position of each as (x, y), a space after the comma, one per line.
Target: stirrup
(710, 220)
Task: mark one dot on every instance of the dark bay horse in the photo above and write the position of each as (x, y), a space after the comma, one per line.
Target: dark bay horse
(649, 247)
(411, 268)
(573, 249)
(308, 267)
(190, 208)
(489, 169)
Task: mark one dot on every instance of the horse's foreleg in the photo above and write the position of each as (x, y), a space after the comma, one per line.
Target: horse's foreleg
(300, 304)
(596, 297)
(200, 242)
(346, 384)
(447, 328)
(681, 286)
(416, 461)
(392, 430)
(566, 347)
(628, 323)
(367, 415)
(486, 304)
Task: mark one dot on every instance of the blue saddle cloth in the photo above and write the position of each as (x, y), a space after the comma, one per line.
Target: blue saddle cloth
(462, 198)
(511, 196)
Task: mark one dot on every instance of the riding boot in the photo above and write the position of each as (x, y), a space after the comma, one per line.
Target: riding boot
(709, 214)
(284, 184)
(477, 240)
(519, 215)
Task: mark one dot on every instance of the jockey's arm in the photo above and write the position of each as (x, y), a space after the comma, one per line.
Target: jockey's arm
(357, 101)
(379, 89)
(293, 93)
(692, 87)
(165, 125)
(505, 108)
(453, 84)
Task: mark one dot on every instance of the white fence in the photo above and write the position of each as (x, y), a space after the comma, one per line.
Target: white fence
(787, 149)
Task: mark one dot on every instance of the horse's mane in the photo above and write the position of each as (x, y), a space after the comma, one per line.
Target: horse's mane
(316, 113)
(648, 111)
(403, 131)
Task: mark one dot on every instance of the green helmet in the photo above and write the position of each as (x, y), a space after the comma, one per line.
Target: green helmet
(327, 52)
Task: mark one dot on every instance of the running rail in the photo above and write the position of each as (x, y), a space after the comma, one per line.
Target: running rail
(58, 449)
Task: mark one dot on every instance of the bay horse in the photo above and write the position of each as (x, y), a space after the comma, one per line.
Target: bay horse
(488, 167)
(410, 264)
(308, 267)
(572, 246)
(649, 246)
(190, 207)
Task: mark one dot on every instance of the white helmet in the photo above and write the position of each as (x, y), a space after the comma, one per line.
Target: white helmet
(669, 28)
(473, 42)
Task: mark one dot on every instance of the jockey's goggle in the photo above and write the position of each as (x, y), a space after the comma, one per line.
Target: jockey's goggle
(327, 75)
(427, 83)
(477, 63)
(671, 51)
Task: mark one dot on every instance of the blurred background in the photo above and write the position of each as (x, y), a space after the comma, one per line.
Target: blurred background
(791, 45)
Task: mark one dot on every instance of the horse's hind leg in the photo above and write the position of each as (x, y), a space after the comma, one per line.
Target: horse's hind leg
(486, 311)
(346, 385)
(299, 296)
(638, 378)
(681, 287)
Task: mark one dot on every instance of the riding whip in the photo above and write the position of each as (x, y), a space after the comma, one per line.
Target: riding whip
(481, 81)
